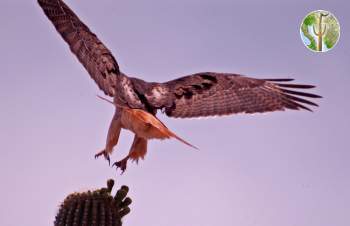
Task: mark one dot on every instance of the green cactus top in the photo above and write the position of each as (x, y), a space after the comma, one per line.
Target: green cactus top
(94, 208)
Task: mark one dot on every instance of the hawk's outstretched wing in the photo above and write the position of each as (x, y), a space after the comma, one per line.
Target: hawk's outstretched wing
(210, 94)
(201, 94)
(91, 52)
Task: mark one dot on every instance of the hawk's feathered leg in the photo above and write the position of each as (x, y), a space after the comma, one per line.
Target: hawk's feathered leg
(112, 136)
(138, 150)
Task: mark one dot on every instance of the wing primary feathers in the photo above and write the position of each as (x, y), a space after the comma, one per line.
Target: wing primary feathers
(301, 93)
(279, 80)
(287, 102)
(301, 106)
(295, 86)
(300, 100)
(289, 95)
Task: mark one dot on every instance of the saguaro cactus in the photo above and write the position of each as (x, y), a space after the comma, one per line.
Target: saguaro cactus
(321, 31)
(94, 208)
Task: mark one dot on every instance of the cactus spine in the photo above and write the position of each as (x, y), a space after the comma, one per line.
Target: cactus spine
(321, 31)
(94, 208)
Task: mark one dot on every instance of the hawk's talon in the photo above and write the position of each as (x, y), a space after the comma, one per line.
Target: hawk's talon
(121, 164)
(105, 155)
(108, 159)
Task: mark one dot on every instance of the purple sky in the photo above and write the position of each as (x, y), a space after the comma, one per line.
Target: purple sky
(290, 168)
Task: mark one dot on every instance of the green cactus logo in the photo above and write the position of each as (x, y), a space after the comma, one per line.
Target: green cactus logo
(320, 31)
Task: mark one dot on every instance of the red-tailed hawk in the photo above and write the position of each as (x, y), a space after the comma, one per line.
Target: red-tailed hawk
(197, 95)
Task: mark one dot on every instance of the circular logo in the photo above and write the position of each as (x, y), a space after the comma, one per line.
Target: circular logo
(320, 31)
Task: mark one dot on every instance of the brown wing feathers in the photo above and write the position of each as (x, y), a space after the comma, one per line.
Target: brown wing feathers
(210, 94)
(294, 99)
(198, 95)
(90, 51)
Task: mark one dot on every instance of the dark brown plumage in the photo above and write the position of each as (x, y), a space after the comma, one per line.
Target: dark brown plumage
(90, 51)
(198, 95)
